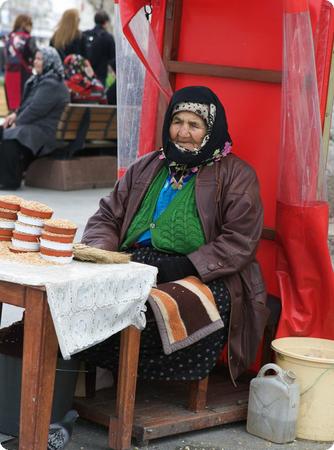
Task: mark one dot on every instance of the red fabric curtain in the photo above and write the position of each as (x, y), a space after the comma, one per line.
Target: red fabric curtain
(305, 271)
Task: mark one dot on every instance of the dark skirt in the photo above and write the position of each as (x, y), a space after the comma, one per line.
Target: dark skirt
(191, 363)
(14, 160)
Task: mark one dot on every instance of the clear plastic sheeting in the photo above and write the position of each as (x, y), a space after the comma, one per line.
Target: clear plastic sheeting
(143, 35)
(302, 161)
(130, 87)
(304, 268)
(157, 89)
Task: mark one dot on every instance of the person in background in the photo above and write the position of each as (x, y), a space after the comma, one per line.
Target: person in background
(101, 46)
(82, 82)
(31, 131)
(67, 38)
(20, 49)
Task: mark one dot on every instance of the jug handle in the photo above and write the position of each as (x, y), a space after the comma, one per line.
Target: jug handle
(271, 366)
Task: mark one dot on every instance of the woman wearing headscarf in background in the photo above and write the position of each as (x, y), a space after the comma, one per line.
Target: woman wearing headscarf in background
(31, 131)
(82, 82)
(191, 209)
(67, 38)
(20, 51)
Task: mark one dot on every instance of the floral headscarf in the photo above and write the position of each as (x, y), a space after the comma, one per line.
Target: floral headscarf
(52, 67)
(216, 144)
(206, 112)
(52, 64)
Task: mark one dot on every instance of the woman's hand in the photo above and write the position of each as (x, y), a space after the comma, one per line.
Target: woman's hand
(175, 269)
(9, 120)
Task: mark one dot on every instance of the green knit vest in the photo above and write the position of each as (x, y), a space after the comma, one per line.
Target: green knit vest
(178, 229)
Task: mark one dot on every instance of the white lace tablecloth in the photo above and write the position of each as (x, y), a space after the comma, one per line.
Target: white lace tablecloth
(88, 302)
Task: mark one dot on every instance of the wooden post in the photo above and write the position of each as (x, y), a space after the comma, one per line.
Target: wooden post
(198, 394)
(120, 427)
(172, 34)
(38, 371)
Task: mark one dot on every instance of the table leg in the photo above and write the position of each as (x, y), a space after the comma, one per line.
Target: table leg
(38, 371)
(120, 427)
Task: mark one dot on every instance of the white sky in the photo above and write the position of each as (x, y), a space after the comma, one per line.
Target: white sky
(86, 11)
(60, 5)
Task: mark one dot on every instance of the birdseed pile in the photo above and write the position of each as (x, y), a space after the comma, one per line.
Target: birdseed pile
(25, 258)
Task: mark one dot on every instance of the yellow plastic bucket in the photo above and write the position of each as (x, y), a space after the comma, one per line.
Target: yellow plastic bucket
(312, 360)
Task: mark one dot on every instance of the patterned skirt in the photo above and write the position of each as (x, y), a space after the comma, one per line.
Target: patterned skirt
(191, 363)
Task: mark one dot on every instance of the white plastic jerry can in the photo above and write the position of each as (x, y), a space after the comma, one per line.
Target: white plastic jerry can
(273, 405)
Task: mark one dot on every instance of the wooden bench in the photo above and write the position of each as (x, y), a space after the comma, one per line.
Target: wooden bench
(86, 156)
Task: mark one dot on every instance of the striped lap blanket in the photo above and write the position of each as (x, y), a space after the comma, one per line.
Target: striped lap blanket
(185, 311)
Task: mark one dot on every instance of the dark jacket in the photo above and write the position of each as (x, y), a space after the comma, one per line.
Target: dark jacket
(230, 209)
(100, 51)
(77, 46)
(38, 116)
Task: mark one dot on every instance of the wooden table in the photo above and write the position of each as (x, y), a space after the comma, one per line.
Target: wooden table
(40, 349)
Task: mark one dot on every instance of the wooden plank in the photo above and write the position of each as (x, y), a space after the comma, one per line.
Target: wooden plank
(83, 106)
(102, 115)
(215, 70)
(198, 394)
(67, 136)
(91, 135)
(76, 114)
(97, 411)
(69, 122)
(38, 372)
(12, 293)
(100, 135)
(65, 115)
(180, 423)
(73, 126)
(102, 144)
(120, 428)
(172, 34)
(161, 407)
(96, 124)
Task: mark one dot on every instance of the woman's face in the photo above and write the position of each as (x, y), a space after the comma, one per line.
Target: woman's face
(38, 63)
(187, 129)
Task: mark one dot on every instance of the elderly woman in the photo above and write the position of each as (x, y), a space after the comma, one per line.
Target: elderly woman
(190, 209)
(31, 131)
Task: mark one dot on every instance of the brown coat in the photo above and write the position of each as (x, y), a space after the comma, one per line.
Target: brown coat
(230, 209)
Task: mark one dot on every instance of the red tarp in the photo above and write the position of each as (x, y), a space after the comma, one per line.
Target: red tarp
(249, 34)
(305, 271)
